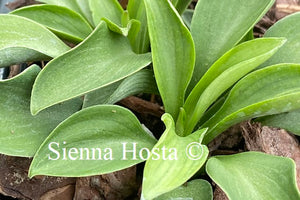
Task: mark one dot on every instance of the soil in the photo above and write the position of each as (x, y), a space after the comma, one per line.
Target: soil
(126, 184)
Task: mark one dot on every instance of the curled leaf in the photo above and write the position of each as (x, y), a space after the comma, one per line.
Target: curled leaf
(172, 154)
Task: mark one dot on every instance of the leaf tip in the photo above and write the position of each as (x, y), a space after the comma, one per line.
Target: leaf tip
(282, 41)
(33, 109)
(31, 174)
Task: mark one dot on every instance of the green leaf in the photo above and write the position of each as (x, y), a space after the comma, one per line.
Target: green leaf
(25, 40)
(181, 5)
(122, 30)
(140, 82)
(247, 37)
(268, 91)
(64, 22)
(71, 4)
(194, 190)
(288, 121)
(288, 27)
(106, 138)
(103, 58)
(137, 10)
(85, 9)
(172, 155)
(110, 9)
(187, 17)
(79, 6)
(255, 176)
(217, 26)
(224, 73)
(173, 53)
(213, 109)
(21, 134)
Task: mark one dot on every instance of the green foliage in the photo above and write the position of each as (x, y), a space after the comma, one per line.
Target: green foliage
(141, 82)
(288, 121)
(219, 25)
(173, 62)
(64, 22)
(224, 73)
(21, 134)
(255, 176)
(279, 92)
(110, 9)
(181, 5)
(206, 77)
(197, 190)
(136, 10)
(289, 28)
(103, 54)
(90, 143)
(24, 40)
(80, 6)
(132, 24)
(187, 17)
(71, 4)
(183, 156)
(84, 10)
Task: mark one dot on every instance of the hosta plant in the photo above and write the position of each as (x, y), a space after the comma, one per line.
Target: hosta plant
(209, 76)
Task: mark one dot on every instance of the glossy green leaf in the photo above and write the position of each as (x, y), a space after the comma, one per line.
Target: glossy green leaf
(96, 140)
(288, 121)
(193, 190)
(224, 73)
(288, 27)
(217, 26)
(173, 161)
(173, 53)
(21, 134)
(137, 10)
(110, 9)
(25, 40)
(140, 82)
(255, 176)
(103, 58)
(268, 91)
(64, 22)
